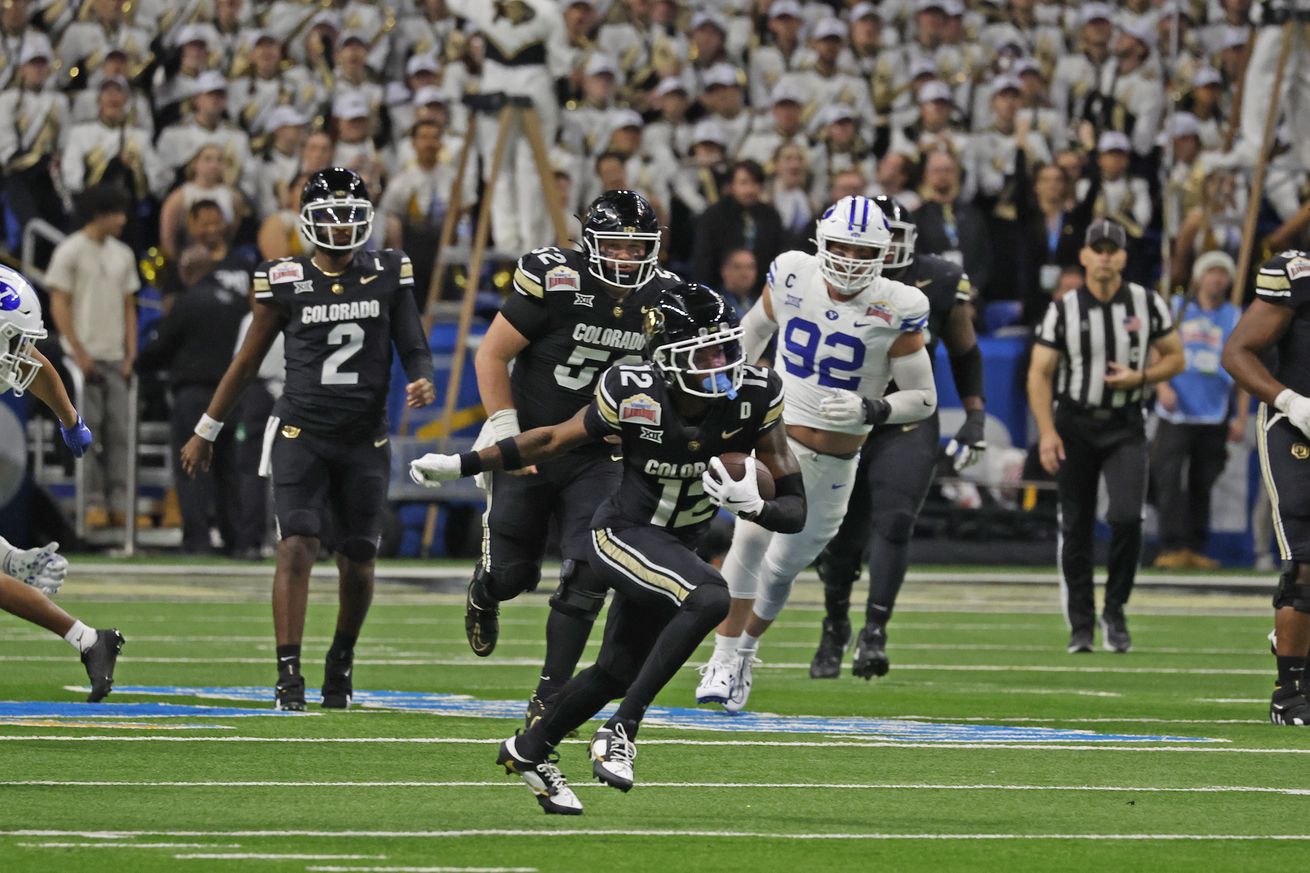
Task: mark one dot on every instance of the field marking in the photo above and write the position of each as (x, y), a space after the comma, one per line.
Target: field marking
(422, 869)
(825, 786)
(1242, 700)
(103, 845)
(272, 856)
(634, 832)
(1045, 720)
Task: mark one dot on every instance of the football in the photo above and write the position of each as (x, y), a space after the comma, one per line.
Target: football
(735, 464)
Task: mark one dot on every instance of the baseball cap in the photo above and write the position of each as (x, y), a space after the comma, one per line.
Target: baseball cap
(787, 91)
(830, 28)
(925, 5)
(922, 67)
(208, 82)
(256, 35)
(713, 19)
(1210, 260)
(1104, 229)
(328, 17)
(1183, 124)
(1206, 76)
(348, 106)
(863, 9)
(668, 85)
(953, 8)
(350, 35)
(284, 116)
(933, 91)
(35, 45)
(422, 64)
(789, 8)
(1096, 12)
(1113, 141)
(195, 33)
(1233, 37)
(119, 81)
(621, 118)
(834, 113)
(709, 130)
(1025, 65)
(1004, 83)
(600, 64)
(721, 75)
(429, 94)
(1139, 30)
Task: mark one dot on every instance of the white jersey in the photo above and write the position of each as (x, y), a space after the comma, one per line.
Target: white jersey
(824, 344)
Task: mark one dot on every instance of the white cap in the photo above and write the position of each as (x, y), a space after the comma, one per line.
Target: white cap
(831, 28)
(863, 9)
(1096, 11)
(429, 94)
(709, 130)
(1211, 260)
(1205, 76)
(35, 45)
(120, 81)
(925, 5)
(668, 85)
(1140, 30)
(932, 91)
(1025, 65)
(1004, 83)
(621, 118)
(834, 113)
(1233, 37)
(953, 8)
(1113, 141)
(922, 67)
(350, 105)
(424, 63)
(255, 35)
(208, 82)
(202, 33)
(790, 8)
(711, 18)
(328, 17)
(721, 75)
(284, 116)
(600, 64)
(1183, 124)
(788, 91)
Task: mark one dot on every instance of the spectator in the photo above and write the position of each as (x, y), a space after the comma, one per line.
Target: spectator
(279, 234)
(37, 120)
(740, 274)
(209, 124)
(175, 82)
(269, 84)
(949, 225)
(669, 135)
(93, 281)
(895, 178)
(194, 345)
(110, 150)
(204, 182)
(355, 149)
(414, 204)
(1199, 414)
(839, 147)
(787, 125)
(789, 192)
(284, 132)
(1052, 238)
(740, 220)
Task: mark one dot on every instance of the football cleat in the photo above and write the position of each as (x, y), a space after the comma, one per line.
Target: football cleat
(481, 625)
(99, 661)
(871, 653)
(741, 681)
(716, 678)
(1290, 707)
(289, 694)
(338, 689)
(543, 777)
(1114, 633)
(1080, 641)
(612, 755)
(836, 636)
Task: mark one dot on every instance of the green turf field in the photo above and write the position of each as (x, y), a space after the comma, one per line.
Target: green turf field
(952, 768)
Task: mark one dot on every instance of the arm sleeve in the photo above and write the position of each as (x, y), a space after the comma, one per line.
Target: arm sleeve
(759, 328)
(407, 330)
(915, 397)
(785, 513)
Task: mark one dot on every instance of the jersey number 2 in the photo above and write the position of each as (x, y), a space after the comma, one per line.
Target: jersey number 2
(801, 347)
(350, 337)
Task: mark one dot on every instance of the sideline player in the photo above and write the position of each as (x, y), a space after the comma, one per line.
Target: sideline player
(1278, 319)
(572, 316)
(897, 465)
(845, 333)
(694, 400)
(339, 310)
(30, 577)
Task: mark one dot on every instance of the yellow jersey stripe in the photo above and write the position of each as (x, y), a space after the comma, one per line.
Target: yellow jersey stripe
(1272, 283)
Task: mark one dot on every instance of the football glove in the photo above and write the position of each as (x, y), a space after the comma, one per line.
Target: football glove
(42, 568)
(968, 444)
(77, 437)
(844, 408)
(738, 496)
(501, 424)
(432, 469)
(1296, 408)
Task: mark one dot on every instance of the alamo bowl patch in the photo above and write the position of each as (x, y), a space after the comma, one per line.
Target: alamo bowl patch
(563, 279)
(288, 271)
(880, 310)
(1298, 267)
(640, 407)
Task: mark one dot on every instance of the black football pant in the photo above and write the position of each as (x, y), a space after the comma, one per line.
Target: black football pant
(894, 476)
(1095, 445)
(1186, 460)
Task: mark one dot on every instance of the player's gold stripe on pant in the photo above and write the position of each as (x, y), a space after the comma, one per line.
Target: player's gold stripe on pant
(638, 568)
(486, 529)
(1262, 446)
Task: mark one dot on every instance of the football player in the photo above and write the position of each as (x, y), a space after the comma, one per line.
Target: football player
(573, 315)
(673, 415)
(30, 577)
(340, 311)
(1278, 319)
(845, 332)
(897, 465)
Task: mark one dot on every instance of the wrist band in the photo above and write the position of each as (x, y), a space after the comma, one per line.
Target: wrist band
(470, 463)
(509, 453)
(207, 428)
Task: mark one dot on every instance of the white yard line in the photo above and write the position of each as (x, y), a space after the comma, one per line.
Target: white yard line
(318, 869)
(104, 845)
(271, 856)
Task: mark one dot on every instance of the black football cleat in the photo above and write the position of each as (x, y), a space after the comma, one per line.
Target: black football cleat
(871, 653)
(543, 777)
(836, 636)
(1290, 707)
(1080, 642)
(289, 694)
(99, 661)
(481, 624)
(338, 690)
(1114, 633)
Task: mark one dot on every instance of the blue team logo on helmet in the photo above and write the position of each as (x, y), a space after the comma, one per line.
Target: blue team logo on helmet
(10, 299)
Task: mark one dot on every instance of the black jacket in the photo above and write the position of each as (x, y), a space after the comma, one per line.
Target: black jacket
(726, 226)
(195, 342)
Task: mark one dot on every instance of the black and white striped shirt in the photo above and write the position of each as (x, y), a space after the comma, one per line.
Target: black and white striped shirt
(1090, 334)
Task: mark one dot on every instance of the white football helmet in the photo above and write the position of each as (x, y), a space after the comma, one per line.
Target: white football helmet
(20, 329)
(855, 221)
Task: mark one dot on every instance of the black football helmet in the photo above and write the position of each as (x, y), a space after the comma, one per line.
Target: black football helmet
(621, 215)
(335, 198)
(900, 254)
(693, 337)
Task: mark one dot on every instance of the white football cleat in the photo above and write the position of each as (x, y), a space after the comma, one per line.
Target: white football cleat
(543, 777)
(741, 681)
(613, 755)
(716, 678)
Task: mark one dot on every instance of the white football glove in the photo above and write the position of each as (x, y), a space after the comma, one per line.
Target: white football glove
(844, 408)
(738, 496)
(967, 446)
(432, 469)
(1296, 408)
(42, 568)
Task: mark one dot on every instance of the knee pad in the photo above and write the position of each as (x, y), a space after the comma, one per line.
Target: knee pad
(712, 599)
(1292, 591)
(580, 594)
(300, 523)
(838, 570)
(894, 525)
(610, 676)
(507, 581)
(361, 550)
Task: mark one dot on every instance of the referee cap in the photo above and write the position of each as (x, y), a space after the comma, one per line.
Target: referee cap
(1104, 229)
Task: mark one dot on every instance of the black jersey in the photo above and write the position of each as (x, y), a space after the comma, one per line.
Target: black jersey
(338, 338)
(944, 283)
(664, 455)
(1284, 280)
(575, 329)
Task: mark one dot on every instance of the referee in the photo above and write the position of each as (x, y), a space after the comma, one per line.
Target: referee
(1091, 362)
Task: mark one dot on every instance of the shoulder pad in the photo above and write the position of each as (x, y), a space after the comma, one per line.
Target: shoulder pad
(549, 269)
